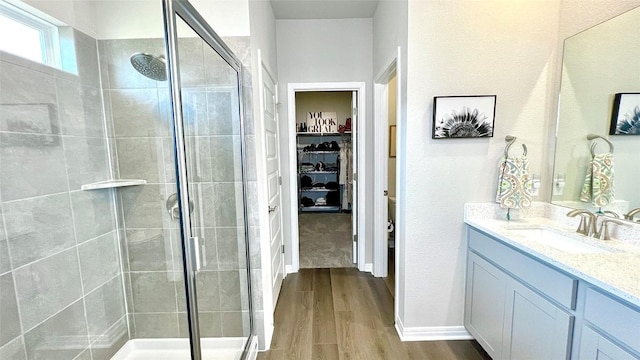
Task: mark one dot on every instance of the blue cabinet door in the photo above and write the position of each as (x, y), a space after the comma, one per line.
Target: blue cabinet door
(484, 305)
(534, 327)
(594, 346)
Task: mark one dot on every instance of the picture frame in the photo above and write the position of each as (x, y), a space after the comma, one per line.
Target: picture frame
(625, 114)
(392, 141)
(468, 116)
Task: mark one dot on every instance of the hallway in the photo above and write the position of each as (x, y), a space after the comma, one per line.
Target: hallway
(342, 313)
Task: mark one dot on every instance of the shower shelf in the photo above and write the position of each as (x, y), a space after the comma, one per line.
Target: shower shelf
(110, 184)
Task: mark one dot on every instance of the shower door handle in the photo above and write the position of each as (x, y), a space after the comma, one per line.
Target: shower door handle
(194, 250)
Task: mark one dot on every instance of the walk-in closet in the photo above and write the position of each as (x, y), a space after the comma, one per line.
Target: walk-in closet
(325, 168)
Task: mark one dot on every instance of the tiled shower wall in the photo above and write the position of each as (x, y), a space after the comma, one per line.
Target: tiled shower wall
(60, 275)
(138, 110)
(139, 126)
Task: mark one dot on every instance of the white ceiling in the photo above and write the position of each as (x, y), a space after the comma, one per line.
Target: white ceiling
(323, 9)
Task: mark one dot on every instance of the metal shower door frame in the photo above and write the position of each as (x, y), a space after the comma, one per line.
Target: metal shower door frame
(183, 9)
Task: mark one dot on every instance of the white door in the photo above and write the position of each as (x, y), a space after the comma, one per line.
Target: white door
(354, 175)
(270, 116)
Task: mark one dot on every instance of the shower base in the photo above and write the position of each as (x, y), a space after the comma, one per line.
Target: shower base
(178, 349)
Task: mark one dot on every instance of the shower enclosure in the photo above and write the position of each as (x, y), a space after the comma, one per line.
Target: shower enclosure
(123, 190)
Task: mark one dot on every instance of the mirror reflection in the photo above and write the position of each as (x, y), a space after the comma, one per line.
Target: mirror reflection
(598, 63)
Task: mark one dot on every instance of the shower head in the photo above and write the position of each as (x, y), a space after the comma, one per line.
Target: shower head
(150, 66)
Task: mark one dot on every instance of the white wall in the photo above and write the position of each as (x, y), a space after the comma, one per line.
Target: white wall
(75, 13)
(323, 51)
(135, 19)
(226, 17)
(263, 33)
(131, 19)
(389, 32)
(463, 48)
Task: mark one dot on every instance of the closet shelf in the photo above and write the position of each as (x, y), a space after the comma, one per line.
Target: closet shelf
(110, 184)
(323, 134)
(313, 164)
(321, 152)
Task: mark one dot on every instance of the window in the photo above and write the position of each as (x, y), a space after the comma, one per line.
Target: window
(28, 36)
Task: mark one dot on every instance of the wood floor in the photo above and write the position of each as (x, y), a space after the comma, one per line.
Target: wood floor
(390, 280)
(341, 313)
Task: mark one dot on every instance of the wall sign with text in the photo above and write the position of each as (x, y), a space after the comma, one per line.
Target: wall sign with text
(322, 122)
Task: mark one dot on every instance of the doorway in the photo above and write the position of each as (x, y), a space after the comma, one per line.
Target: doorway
(391, 182)
(325, 163)
(388, 230)
(325, 201)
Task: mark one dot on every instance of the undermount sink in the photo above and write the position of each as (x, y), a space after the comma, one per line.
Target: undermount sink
(561, 242)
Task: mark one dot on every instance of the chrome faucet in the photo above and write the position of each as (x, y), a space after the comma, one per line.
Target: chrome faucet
(612, 213)
(631, 214)
(587, 224)
(603, 232)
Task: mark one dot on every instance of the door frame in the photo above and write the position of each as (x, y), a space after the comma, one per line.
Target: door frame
(381, 173)
(292, 89)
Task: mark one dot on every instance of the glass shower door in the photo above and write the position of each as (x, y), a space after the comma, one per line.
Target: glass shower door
(209, 154)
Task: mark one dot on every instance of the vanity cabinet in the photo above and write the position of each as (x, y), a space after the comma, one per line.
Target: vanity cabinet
(519, 307)
(507, 318)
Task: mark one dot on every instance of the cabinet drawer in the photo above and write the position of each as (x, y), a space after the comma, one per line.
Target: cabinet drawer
(554, 284)
(613, 317)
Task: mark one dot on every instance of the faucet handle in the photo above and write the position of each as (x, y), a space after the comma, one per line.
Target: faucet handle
(631, 214)
(587, 221)
(603, 233)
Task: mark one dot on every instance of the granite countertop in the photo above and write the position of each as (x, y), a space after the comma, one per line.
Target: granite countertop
(616, 271)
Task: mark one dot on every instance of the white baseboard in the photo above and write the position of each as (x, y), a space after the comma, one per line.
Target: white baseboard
(368, 267)
(268, 336)
(288, 269)
(431, 333)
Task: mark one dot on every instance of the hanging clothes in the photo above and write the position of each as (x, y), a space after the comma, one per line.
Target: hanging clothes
(342, 179)
(346, 171)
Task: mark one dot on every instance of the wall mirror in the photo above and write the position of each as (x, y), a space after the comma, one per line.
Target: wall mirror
(597, 64)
